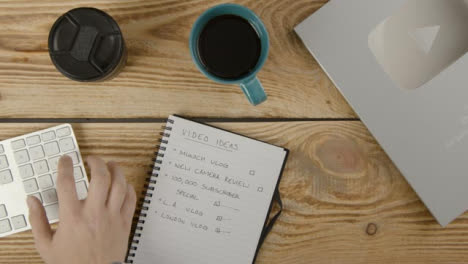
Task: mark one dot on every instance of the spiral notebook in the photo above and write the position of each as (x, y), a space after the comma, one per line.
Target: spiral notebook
(208, 197)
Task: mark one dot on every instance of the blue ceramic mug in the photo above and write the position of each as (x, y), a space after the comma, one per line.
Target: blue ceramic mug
(249, 83)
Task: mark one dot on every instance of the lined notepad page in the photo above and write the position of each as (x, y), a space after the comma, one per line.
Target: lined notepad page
(211, 199)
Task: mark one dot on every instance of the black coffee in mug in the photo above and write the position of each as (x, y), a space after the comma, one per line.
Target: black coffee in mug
(229, 47)
(229, 44)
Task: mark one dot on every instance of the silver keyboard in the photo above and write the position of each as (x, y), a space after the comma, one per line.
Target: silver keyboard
(28, 166)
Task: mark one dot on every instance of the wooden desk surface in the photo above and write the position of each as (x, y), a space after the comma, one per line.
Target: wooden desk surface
(345, 202)
(160, 78)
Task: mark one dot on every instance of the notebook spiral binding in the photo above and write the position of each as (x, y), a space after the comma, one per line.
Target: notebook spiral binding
(151, 180)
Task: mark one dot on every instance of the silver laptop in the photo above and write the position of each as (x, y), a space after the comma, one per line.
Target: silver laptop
(403, 67)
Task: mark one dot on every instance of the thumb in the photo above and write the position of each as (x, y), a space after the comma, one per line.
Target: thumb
(39, 223)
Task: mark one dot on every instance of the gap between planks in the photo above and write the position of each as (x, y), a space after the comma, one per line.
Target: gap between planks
(163, 120)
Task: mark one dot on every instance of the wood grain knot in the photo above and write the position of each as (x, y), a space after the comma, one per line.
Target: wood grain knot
(341, 157)
(371, 229)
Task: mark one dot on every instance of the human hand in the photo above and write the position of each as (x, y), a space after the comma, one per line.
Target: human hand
(92, 231)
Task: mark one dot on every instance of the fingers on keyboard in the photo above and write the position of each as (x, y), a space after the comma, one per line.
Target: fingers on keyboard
(66, 183)
(33, 160)
(101, 180)
(37, 195)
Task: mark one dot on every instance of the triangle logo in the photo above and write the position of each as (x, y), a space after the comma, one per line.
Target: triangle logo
(425, 37)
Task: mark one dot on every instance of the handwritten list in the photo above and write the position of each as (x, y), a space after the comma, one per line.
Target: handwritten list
(211, 199)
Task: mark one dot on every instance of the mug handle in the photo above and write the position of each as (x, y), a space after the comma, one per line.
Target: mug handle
(254, 91)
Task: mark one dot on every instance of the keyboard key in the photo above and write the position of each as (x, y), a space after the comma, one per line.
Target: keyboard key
(36, 152)
(1, 149)
(45, 181)
(3, 211)
(81, 190)
(41, 167)
(49, 196)
(5, 177)
(30, 185)
(66, 144)
(54, 177)
(62, 132)
(53, 163)
(26, 171)
(51, 148)
(17, 144)
(21, 156)
(5, 226)
(52, 211)
(48, 136)
(18, 221)
(37, 195)
(3, 162)
(77, 173)
(74, 157)
(33, 140)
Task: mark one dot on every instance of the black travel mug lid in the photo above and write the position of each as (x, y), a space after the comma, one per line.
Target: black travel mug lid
(86, 44)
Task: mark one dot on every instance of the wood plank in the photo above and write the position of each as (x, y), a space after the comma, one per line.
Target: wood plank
(160, 78)
(344, 200)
